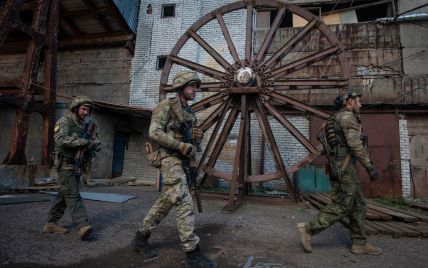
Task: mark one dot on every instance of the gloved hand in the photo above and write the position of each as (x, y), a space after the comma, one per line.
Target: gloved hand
(373, 173)
(185, 149)
(94, 145)
(197, 134)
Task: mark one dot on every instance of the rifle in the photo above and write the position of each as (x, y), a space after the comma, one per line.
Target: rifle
(335, 171)
(191, 171)
(89, 132)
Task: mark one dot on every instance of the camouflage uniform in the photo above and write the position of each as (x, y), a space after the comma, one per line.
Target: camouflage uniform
(68, 135)
(165, 132)
(349, 202)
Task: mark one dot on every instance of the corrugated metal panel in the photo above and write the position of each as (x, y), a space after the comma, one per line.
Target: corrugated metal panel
(129, 11)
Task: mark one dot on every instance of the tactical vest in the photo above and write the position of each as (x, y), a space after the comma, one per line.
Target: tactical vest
(335, 136)
(74, 130)
(178, 115)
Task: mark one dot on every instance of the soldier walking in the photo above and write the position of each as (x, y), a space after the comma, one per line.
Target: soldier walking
(69, 136)
(343, 135)
(171, 150)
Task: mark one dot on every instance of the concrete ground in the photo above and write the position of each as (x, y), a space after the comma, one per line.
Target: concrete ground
(263, 230)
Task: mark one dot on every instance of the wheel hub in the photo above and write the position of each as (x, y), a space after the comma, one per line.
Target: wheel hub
(244, 76)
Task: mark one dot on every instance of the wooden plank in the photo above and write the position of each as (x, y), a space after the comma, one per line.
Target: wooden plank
(370, 229)
(394, 214)
(420, 216)
(419, 206)
(389, 230)
(402, 226)
(418, 226)
(324, 198)
(370, 214)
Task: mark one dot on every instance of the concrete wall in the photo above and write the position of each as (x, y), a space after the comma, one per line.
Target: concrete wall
(418, 142)
(102, 74)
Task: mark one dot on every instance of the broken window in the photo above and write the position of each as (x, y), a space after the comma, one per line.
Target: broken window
(168, 11)
(160, 62)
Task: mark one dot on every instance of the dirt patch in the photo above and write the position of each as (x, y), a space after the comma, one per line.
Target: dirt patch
(263, 231)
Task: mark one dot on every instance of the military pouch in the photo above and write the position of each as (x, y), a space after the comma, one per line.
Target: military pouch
(154, 157)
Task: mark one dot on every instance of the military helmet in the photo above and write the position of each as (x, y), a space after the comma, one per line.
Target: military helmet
(80, 100)
(182, 79)
(341, 99)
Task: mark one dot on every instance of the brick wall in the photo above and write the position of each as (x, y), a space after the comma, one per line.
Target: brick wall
(405, 158)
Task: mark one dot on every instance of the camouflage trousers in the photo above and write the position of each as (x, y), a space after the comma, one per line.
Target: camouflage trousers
(175, 193)
(68, 197)
(347, 203)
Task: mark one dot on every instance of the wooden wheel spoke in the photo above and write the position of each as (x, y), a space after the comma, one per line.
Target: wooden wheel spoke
(238, 163)
(267, 132)
(211, 119)
(210, 50)
(285, 100)
(299, 84)
(228, 125)
(302, 63)
(199, 68)
(225, 109)
(292, 129)
(268, 39)
(208, 102)
(249, 32)
(288, 46)
(227, 37)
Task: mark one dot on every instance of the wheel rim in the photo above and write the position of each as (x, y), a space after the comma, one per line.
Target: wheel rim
(254, 84)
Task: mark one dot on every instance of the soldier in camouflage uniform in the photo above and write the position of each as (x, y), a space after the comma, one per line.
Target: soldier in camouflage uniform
(170, 151)
(68, 134)
(347, 199)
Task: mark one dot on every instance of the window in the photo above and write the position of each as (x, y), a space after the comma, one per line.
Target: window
(168, 11)
(265, 18)
(160, 63)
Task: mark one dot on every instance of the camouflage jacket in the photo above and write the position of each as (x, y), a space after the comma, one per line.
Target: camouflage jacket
(68, 135)
(165, 125)
(350, 130)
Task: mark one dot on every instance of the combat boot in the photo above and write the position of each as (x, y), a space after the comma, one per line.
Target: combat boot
(366, 249)
(141, 244)
(52, 227)
(84, 231)
(305, 237)
(196, 259)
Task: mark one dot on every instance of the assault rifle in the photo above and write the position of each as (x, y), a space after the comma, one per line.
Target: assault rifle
(87, 135)
(190, 172)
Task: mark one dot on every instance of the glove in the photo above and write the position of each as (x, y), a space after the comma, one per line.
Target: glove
(374, 175)
(185, 149)
(197, 134)
(94, 145)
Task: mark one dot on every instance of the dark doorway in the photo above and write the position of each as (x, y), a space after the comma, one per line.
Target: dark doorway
(119, 145)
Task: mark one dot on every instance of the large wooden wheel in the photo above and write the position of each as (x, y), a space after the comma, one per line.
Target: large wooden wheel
(256, 84)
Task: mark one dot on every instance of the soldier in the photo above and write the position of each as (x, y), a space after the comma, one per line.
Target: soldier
(68, 133)
(343, 131)
(166, 132)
